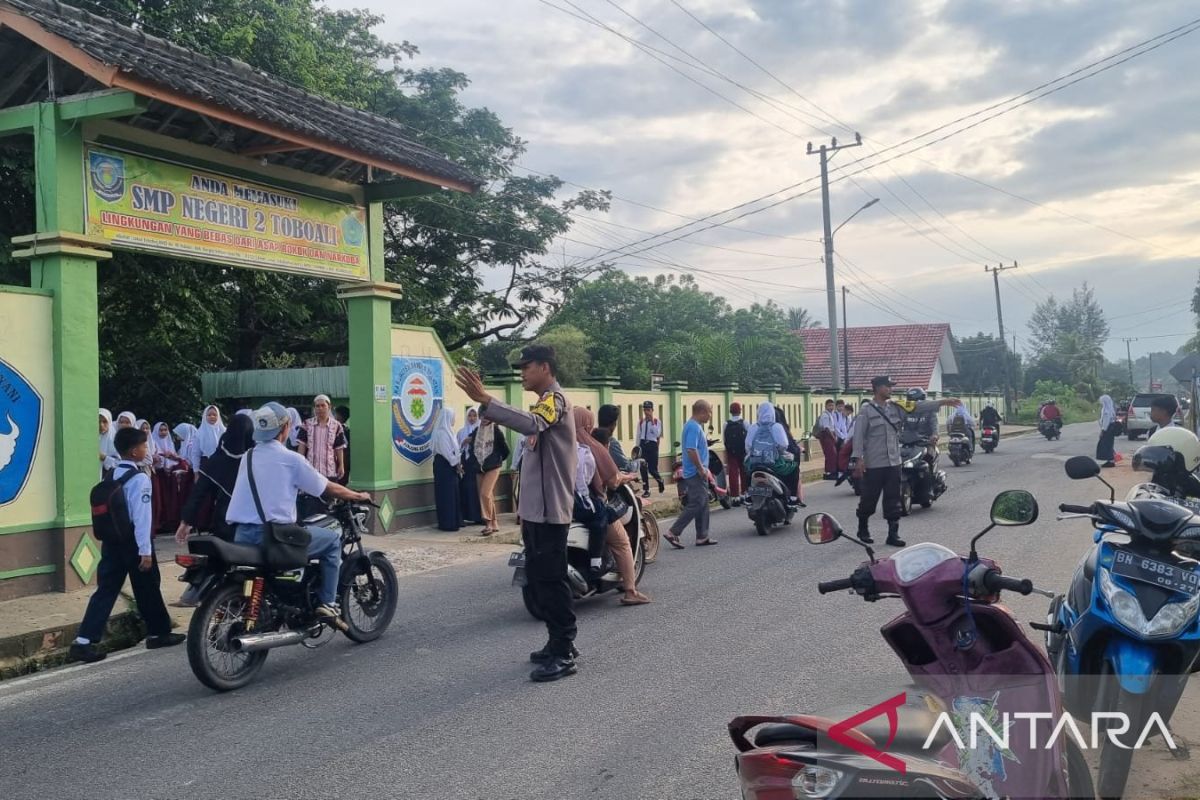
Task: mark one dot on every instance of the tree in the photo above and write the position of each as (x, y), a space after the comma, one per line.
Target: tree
(442, 248)
(800, 319)
(571, 349)
(982, 363)
(1068, 341)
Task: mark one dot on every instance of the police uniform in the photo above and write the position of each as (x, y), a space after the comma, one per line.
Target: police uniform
(546, 504)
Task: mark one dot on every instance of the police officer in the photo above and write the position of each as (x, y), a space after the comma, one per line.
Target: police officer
(547, 497)
(877, 453)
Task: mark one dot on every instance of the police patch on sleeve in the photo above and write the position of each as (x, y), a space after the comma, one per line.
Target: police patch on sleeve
(548, 408)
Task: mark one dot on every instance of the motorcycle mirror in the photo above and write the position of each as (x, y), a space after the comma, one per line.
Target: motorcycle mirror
(1081, 467)
(1013, 508)
(821, 528)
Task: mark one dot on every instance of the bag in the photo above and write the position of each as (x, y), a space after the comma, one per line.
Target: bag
(284, 545)
(764, 452)
(111, 521)
(617, 508)
(735, 439)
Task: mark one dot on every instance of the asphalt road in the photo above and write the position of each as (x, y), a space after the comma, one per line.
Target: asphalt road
(441, 707)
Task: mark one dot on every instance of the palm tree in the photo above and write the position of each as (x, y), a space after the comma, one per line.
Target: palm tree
(800, 318)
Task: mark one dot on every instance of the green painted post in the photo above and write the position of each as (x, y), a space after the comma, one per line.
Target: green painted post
(369, 313)
(772, 389)
(729, 390)
(604, 385)
(674, 390)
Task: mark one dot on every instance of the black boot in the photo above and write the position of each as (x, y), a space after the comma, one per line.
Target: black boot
(544, 655)
(893, 537)
(864, 533)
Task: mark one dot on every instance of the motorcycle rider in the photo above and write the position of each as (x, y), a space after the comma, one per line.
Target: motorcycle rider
(921, 424)
(767, 449)
(1163, 410)
(877, 455)
(990, 418)
(1178, 477)
(280, 475)
(961, 422)
(1051, 413)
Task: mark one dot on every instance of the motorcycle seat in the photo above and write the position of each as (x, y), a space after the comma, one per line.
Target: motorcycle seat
(241, 555)
(913, 726)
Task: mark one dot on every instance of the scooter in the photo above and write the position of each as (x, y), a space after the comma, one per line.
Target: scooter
(767, 504)
(989, 438)
(969, 661)
(920, 481)
(640, 526)
(961, 450)
(1051, 429)
(1126, 635)
(718, 487)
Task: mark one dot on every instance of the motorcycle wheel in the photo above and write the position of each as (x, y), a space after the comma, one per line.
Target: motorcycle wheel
(905, 499)
(725, 502)
(212, 659)
(531, 604)
(368, 603)
(639, 563)
(957, 462)
(1115, 761)
(1079, 776)
(653, 537)
(760, 525)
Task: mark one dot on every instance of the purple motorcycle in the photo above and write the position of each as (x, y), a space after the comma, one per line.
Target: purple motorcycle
(983, 717)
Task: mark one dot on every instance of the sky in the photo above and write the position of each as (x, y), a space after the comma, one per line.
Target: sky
(1098, 181)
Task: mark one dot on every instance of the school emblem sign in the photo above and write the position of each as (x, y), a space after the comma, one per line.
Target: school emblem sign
(416, 405)
(20, 426)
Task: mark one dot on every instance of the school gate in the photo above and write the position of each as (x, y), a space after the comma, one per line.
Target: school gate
(142, 145)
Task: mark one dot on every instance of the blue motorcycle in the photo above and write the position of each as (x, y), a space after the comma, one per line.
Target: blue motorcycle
(1126, 635)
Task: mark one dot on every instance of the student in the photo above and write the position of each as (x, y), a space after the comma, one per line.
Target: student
(108, 452)
(447, 461)
(211, 430)
(189, 449)
(1163, 410)
(135, 559)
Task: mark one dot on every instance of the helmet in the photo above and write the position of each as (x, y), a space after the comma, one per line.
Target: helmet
(915, 395)
(1180, 440)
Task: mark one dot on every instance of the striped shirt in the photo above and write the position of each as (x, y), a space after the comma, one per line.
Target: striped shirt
(321, 442)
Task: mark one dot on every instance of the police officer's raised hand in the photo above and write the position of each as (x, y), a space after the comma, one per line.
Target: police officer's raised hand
(472, 385)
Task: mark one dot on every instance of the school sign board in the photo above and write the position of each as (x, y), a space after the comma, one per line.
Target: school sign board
(151, 205)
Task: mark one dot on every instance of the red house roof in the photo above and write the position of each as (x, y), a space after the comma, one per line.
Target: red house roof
(907, 353)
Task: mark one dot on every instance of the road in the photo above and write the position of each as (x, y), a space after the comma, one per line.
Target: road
(441, 708)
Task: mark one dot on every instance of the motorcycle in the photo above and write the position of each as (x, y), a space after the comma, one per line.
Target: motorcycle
(246, 608)
(718, 487)
(961, 450)
(954, 638)
(989, 438)
(1050, 428)
(920, 481)
(767, 502)
(640, 526)
(1126, 635)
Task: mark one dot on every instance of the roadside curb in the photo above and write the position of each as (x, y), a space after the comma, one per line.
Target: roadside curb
(35, 651)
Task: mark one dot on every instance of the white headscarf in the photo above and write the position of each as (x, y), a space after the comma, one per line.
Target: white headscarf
(297, 421)
(209, 437)
(163, 444)
(1108, 412)
(107, 448)
(766, 419)
(129, 416)
(187, 433)
(468, 429)
(151, 446)
(961, 410)
(444, 442)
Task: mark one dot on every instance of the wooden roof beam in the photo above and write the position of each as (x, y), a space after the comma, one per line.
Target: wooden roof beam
(268, 149)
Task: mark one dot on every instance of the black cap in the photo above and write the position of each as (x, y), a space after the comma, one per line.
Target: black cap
(881, 380)
(536, 352)
(648, 404)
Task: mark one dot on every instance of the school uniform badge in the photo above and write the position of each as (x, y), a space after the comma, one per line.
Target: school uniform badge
(417, 401)
(20, 428)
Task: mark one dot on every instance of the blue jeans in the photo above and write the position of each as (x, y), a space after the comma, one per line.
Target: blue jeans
(325, 545)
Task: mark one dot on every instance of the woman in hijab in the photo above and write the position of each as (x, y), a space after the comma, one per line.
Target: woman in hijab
(215, 480)
(126, 419)
(472, 510)
(491, 451)
(447, 466)
(165, 454)
(1108, 432)
(293, 441)
(188, 449)
(596, 473)
(108, 450)
(211, 430)
(792, 479)
(147, 464)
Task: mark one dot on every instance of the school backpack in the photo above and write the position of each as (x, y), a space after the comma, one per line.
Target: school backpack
(735, 438)
(764, 452)
(111, 521)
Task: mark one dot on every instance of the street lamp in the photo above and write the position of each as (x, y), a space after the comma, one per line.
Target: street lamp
(831, 292)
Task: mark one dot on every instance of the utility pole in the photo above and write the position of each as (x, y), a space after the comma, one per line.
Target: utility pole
(1129, 358)
(1150, 385)
(831, 294)
(1000, 320)
(845, 341)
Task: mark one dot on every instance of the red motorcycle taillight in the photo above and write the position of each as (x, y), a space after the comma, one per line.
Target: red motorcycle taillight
(766, 776)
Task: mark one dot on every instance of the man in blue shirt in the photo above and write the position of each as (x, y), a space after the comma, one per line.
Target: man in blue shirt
(695, 478)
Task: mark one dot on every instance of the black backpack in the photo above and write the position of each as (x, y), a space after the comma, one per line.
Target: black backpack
(735, 439)
(111, 521)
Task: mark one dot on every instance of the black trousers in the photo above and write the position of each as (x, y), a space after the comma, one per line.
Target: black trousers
(117, 562)
(649, 463)
(885, 480)
(546, 570)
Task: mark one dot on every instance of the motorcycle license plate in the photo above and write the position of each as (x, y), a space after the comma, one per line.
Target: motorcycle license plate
(760, 491)
(1157, 573)
(517, 559)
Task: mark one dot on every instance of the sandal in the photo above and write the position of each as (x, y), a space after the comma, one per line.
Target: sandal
(635, 598)
(673, 540)
(706, 542)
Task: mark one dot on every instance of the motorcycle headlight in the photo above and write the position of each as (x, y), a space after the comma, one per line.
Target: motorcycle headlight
(913, 562)
(1122, 519)
(1170, 619)
(815, 782)
(908, 465)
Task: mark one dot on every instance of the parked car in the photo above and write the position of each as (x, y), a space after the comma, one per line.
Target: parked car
(1137, 421)
(1123, 412)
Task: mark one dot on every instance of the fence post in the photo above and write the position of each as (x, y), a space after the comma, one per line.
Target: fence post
(604, 384)
(675, 390)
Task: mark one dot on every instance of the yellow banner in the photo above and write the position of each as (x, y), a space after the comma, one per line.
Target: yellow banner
(146, 204)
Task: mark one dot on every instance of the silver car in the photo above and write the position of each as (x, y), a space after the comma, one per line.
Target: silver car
(1138, 422)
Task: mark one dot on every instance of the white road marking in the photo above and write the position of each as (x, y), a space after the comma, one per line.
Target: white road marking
(11, 687)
